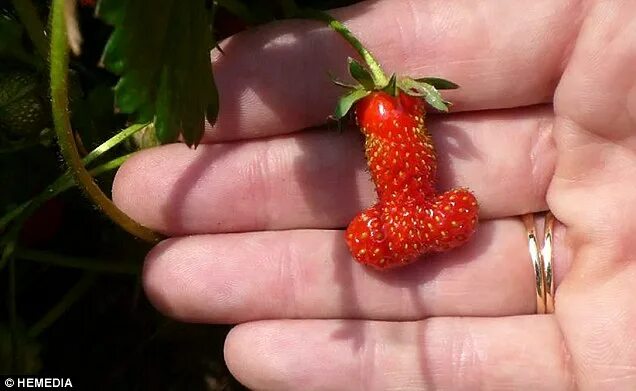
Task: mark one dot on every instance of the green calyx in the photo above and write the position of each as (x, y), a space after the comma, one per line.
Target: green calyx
(427, 88)
(370, 77)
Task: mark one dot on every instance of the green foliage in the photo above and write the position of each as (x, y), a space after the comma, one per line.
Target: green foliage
(347, 101)
(440, 84)
(427, 91)
(161, 50)
(361, 74)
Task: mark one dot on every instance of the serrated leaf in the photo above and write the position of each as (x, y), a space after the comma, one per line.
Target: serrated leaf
(433, 98)
(166, 123)
(427, 91)
(338, 82)
(160, 48)
(360, 74)
(439, 83)
(347, 101)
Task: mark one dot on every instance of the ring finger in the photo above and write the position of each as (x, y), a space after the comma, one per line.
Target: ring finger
(310, 274)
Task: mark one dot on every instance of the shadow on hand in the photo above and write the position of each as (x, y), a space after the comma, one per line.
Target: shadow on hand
(340, 207)
(454, 142)
(451, 140)
(295, 89)
(174, 208)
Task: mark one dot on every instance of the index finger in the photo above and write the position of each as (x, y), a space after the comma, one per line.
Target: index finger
(273, 79)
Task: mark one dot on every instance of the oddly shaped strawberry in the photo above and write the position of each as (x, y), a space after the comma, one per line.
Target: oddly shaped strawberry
(410, 219)
(396, 233)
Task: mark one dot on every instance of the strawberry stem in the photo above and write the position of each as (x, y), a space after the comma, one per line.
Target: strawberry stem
(379, 77)
(59, 100)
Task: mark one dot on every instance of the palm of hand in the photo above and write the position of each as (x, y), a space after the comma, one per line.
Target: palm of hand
(462, 319)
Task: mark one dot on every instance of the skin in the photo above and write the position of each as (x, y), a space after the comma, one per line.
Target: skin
(545, 119)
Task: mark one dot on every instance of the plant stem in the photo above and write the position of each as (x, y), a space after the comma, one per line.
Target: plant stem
(75, 293)
(59, 100)
(88, 264)
(379, 77)
(28, 14)
(111, 142)
(108, 166)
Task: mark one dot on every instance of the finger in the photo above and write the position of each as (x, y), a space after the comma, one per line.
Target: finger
(310, 274)
(319, 179)
(273, 80)
(593, 193)
(515, 353)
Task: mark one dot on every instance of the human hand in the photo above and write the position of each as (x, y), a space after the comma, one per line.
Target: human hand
(545, 119)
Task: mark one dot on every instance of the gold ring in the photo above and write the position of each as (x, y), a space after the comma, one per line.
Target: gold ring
(537, 262)
(546, 256)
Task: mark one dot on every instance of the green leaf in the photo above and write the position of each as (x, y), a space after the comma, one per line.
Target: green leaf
(166, 121)
(439, 83)
(361, 74)
(427, 91)
(338, 82)
(347, 101)
(161, 50)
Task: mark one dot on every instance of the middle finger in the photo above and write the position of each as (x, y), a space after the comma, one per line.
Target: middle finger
(319, 179)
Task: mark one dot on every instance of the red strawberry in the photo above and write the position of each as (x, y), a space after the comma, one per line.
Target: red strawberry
(409, 220)
(396, 233)
(398, 148)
